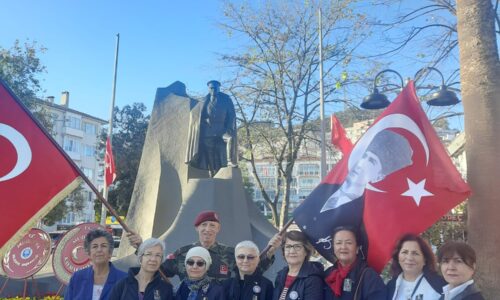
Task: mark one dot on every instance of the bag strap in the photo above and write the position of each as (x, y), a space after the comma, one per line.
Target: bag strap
(359, 283)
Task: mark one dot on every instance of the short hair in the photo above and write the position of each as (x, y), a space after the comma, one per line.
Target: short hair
(95, 234)
(246, 244)
(150, 243)
(297, 236)
(350, 229)
(430, 260)
(466, 253)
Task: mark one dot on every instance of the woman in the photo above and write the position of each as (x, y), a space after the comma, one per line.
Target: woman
(145, 283)
(198, 285)
(248, 284)
(458, 264)
(96, 281)
(414, 272)
(350, 277)
(301, 279)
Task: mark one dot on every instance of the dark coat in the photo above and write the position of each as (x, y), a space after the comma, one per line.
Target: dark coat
(371, 286)
(214, 292)
(81, 284)
(437, 282)
(308, 283)
(128, 288)
(470, 293)
(238, 290)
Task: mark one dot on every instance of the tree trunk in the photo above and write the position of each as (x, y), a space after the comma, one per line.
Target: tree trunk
(480, 74)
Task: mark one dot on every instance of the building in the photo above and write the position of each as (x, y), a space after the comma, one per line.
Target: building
(77, 133)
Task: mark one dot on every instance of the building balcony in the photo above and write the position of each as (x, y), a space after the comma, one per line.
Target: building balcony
(74, 132)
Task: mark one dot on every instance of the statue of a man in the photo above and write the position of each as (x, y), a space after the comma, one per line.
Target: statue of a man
(212, 137)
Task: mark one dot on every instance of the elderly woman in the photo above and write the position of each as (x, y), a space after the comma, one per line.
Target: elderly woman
(414, 272)
(198, 285)
(145, 282)
(249, 284)
(96, 281)
(458, 264)
(350, 277)
(300, 279)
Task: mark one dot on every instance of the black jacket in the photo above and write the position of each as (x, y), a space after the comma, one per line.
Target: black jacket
(215, 292)
(437, 282)
(308, 284)
(256, 284)
(128, 288)
(372, 287)
(470, 293)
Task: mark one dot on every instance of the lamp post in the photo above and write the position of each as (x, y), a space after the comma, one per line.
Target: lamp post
(443, 97)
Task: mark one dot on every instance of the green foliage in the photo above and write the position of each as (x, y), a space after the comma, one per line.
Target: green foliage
(73, 202)
(129, 131)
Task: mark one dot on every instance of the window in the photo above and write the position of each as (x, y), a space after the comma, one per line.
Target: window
(266, 170)
(74, 122)
(71, 145)
(309, 169)
(89, 151)
(88, 172)
(89, 128)
(308, 181)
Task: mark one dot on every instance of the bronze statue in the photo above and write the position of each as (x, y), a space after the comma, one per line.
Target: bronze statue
(212, 132)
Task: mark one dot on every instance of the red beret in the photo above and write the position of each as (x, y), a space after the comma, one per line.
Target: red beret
(207, 215)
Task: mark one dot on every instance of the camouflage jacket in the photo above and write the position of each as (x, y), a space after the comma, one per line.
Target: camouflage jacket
(223, 262)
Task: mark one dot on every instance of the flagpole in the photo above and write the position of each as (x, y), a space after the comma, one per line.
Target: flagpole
(110, 128)
(321, 98)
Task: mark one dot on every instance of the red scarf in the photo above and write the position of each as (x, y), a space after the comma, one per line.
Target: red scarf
(337, 276)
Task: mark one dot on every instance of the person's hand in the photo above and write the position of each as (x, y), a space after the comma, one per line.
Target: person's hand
(274, 244)
(134, 239)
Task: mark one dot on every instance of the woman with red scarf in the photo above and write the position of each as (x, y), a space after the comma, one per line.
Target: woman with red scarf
(350, 277)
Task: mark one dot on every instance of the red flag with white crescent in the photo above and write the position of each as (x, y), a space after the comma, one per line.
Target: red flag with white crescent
(397, 179)
(110, 164)
(34, 173)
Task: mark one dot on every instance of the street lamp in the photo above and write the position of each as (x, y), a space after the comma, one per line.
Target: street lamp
(443, 97)
(377, 100)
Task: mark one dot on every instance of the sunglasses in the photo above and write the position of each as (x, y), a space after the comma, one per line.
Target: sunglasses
(199, 263)
(248, 257)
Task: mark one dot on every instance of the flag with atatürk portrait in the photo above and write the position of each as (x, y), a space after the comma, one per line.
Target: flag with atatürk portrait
(397, 179)
(34, 173)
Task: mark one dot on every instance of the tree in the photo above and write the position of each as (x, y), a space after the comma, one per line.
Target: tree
(73, 202)
(480, 78)
(276, 86)
(129, 131)
(20, 68)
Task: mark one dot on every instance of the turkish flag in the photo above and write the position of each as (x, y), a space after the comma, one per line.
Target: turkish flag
(397, 179)
(34, 173)
(339, 137)
(110, 175)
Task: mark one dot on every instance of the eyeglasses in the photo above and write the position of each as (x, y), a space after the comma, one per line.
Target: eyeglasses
(153, 256)
(296, 247)
(243, 256)
(199, 263)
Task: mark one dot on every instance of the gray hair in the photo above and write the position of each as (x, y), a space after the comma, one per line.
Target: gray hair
(95, 234)
(246, 244)
(150, 243)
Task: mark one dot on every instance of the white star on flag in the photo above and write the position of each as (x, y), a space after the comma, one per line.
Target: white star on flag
(416, 191)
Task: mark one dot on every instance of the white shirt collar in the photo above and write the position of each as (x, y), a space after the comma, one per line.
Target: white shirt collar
(450, 293)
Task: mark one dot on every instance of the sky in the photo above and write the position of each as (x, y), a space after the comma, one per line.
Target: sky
(160, 42)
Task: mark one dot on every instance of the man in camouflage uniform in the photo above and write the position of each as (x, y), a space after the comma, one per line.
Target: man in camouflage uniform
(223, 262)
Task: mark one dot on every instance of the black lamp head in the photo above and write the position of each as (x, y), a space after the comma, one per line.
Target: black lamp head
(443, 97)
(375, 100)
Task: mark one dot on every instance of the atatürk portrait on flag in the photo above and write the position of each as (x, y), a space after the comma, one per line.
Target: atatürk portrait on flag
(387, 153)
